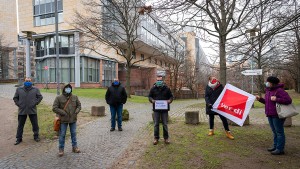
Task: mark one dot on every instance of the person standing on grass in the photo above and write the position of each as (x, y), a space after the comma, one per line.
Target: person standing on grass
(160, 91)
(116, 96)
(212, 92)
(275, 94)
(67, 106)
(27, 98)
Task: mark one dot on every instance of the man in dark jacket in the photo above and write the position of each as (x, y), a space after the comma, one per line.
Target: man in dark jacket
(160, 92)
(212, 92)
(26, 98)
(116, 96)
(67, 106)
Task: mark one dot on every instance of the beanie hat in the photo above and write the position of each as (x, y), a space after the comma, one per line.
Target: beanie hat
(273, 80)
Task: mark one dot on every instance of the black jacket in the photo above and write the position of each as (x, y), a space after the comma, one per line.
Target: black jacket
(116, 95)
(27, 99)
(160, 93)
(211, 96)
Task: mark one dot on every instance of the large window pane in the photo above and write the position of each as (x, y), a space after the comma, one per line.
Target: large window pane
(60, 17)
(48, 7)
(60, 5)
(37, 21)
(42, 8)
(36, 10)
(36, 2)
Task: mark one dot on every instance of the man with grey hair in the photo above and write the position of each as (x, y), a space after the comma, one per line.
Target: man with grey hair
(116, 96)
(27, 98)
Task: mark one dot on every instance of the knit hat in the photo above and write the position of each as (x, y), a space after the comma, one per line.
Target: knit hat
(273, 80)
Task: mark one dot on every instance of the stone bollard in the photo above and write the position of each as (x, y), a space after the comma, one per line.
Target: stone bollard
(98, 111)
(288, 122)
(246, 122)
(192, 117)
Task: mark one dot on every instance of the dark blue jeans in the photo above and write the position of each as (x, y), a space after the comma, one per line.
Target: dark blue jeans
(164, 118)
(116, 110)
(276, 125)
(62, 134)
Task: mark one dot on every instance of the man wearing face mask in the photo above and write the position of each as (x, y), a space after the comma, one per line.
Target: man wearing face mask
(27, 98)
(67, 106)
(116, 96)
(160, 91)
(212, 92)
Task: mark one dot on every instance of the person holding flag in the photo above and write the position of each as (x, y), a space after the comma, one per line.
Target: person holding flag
(275, 94)
(212, 92)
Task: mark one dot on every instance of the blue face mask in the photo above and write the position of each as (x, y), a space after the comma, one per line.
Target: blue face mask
(27, 84)
(267, 84)
(159, 83)
(68, 90)
(116, 82)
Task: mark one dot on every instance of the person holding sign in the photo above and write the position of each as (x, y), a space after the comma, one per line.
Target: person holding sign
(275, 94)
(160, 96)
(212, 92)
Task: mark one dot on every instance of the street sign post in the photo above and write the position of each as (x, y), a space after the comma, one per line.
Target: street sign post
(252, 72)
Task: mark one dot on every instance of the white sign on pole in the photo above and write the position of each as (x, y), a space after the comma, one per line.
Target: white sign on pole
(252, 72)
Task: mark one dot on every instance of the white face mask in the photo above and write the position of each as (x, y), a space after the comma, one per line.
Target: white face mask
(267, 84)
(212, 85)
(68, 90)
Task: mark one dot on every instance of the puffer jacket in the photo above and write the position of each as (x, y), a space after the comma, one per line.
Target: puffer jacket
(160, 93)
(69, 115)
(282, 97)
(116, 95)
(27, 99)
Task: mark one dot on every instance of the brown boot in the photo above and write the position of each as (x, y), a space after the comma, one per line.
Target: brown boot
(167, 141)
(60, 152)
(229, 135)
(211, 132)
(155, 142)
(75, 150)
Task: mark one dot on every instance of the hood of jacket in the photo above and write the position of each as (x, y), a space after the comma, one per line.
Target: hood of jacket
(63, 90)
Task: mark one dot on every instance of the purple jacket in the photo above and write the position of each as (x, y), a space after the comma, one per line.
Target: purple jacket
(282, 97)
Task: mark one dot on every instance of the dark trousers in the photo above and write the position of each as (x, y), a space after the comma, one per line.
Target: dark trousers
(164, 118)
(21, 122)
(212, 120)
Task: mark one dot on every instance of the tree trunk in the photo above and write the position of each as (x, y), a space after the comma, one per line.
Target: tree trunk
(128, 89)
(222, 54)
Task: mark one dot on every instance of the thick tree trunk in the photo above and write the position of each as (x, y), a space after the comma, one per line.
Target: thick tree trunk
(222, 54)
(128, 89)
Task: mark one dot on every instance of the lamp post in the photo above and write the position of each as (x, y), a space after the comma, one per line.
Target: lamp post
(57, 49)
(252, 35)
(28, 62)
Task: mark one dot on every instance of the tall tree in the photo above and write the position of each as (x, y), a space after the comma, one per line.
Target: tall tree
(113, 23)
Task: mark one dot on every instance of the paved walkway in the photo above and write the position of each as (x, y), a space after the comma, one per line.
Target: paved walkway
(100, 147)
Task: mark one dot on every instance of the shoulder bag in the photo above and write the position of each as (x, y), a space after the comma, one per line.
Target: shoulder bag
(56, 125)
(285, 111)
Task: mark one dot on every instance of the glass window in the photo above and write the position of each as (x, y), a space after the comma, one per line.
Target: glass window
(42, 1)
(42, 8)
(36, 2)
(48, 21)
(36, 10)
(60, 17)
(48, 7)
(142, 57)
(71, 40)
(43, 21)
(64, 41)
(133, 55)
(59, 5)
(37, 21)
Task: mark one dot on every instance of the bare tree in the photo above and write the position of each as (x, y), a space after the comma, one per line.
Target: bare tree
(5, 60)
(115, 24)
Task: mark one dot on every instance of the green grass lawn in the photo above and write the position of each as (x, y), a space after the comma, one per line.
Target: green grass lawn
(191, 148)
(99, 93)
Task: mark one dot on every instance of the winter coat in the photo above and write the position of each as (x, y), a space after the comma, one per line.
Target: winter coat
(160, 93)
(211, 95)
(116, 95)
(282, 97)
(69, 115)
(27, 99)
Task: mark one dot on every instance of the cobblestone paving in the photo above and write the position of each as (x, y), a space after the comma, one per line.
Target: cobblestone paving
(100, 147)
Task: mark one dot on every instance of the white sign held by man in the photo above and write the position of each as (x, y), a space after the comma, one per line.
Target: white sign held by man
(234, 104)
(161, 105)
